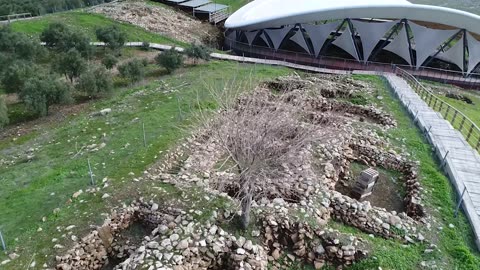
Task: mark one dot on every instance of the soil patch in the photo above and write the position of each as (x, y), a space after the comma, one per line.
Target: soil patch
(388, 192)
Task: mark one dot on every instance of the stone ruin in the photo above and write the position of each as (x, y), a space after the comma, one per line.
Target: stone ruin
(365, 183)
(179, 242)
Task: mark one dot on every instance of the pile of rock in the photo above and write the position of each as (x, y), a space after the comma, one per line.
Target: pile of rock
(370, 219)
(91, 252)
(300, 243)
(178, 242)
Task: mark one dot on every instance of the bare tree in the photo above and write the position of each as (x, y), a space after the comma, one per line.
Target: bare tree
(259, 132)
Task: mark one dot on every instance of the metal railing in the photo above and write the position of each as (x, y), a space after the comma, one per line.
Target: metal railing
(457, 119)
(471, 81)
(13, 17)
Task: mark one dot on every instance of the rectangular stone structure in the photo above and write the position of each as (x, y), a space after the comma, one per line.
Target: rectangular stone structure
(364, 185)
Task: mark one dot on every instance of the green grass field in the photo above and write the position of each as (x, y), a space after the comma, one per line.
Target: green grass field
(32, 190)
(87, 23)
(470, 110)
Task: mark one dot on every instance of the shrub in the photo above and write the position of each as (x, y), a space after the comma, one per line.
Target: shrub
(16, 74)
(3, 112)
(95, 82)
(133, 70)
(42, 91)
(18, 45)
(170, 60)
(71, 64)
(109, 61)
(197, 52)
(63, 39)
(145, 46)
(113, 37)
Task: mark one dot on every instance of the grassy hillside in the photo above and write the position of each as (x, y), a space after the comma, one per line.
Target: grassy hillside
(87, 23)
(32, 190)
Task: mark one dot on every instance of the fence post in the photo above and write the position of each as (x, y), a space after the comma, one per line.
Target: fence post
(144, 135)
(444, 161)
(4, 246)
(470, 132)
(454, 117)
(459, 202)
(461, 123)
(92, 181)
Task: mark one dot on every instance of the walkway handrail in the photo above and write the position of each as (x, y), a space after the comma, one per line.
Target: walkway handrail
(457, 119)
(472, 81)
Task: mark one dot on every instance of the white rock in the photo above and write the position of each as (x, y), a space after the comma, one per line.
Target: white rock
(241, 251)
(183, 244)
(105, 196)
(153, 245)
(213, 229)
(174, 237)
(105, 111)
(166, 242)
(162, 229)
(248, 245)
(154, 207)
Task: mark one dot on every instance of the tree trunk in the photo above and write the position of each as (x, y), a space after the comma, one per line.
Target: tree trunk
(246, 207)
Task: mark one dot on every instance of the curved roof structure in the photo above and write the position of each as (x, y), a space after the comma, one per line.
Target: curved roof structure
(275, 13)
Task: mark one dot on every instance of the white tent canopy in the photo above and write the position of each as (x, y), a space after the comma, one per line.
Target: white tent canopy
(274, 19)
(261, 14)
(400, 46)
(300, 40)
(345, 41)
(370, 34)
(319, 33)
(428, 40)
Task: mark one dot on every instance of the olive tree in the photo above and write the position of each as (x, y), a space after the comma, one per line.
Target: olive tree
(171, 60)
(15, 75)
(42, 91)
(71, 64)
(61, 38)
(96, 82)
(133, 70)
(109, 61)
(113, 37)
(198, 52)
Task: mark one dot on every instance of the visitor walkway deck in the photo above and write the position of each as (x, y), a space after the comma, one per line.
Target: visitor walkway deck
(461, 162)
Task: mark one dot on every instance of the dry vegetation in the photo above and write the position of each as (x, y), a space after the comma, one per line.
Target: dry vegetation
(161, 20)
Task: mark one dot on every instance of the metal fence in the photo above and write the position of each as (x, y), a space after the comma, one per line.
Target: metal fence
(13, 17)
(471, 81)
(457, 119)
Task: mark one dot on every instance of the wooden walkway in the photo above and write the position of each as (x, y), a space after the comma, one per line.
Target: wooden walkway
(460, 160)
